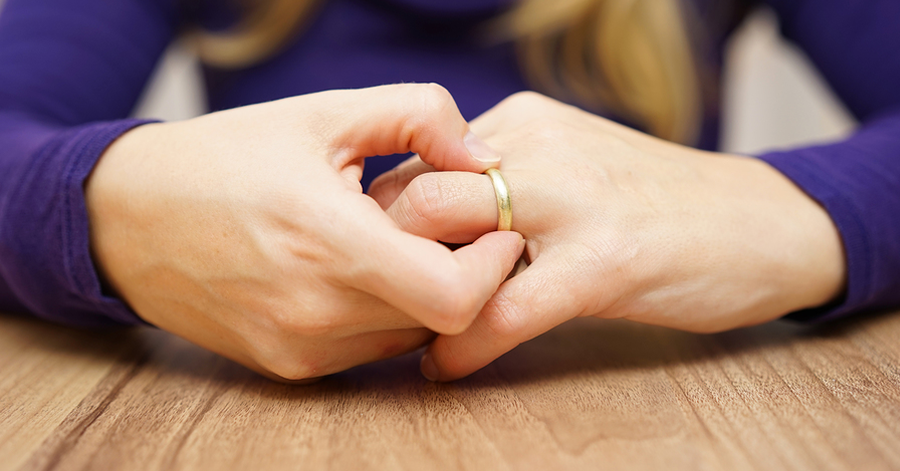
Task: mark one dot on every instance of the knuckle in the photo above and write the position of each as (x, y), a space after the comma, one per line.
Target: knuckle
(454, 308)
(525, 100)
(425, 195)
(278, 356)
(446, 319)
(295, 369)
(434, 96)
(280, 349)
(433, 101)
(428, 115)
(502, 319)
(527, 96)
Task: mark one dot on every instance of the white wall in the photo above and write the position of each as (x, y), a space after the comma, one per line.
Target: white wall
(772, 95)
(175, 91)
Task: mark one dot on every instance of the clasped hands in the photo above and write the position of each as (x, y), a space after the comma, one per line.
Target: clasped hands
(247, 231)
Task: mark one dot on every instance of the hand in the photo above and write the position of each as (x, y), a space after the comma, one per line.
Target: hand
(619, 225)
(247, 232)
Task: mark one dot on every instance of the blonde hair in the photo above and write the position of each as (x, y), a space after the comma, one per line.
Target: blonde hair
(631, 57)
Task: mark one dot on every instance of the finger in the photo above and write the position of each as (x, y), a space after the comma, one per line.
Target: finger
(369, 347)
(359, 312)
(524, 108)
(313, 360)
(512, 113)
(352, 173)
(394, 119)
(388, 186)
(523, 308)
(442, 289)
(455, 207)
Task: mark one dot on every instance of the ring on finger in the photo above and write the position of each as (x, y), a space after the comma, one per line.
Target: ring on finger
(504, 204)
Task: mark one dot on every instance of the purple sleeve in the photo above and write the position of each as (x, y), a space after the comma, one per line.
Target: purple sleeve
(856, 45)
(70, 71)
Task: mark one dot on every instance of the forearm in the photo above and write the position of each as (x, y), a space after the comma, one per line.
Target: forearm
(786, 252)
(45, 260)
(68, 71)
(857, 182)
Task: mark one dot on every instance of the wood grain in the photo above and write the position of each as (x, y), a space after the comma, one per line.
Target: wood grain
(591, 394)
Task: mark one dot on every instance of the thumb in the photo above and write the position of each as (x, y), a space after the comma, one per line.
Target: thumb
(395, 119)
(523, 308)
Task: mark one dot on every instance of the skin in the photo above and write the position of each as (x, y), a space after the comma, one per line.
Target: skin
(619, 224)
(247, 232)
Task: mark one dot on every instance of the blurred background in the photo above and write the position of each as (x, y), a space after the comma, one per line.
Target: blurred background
(773, 98)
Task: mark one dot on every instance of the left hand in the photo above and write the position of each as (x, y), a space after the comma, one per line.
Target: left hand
(246, 231)
(619, 224)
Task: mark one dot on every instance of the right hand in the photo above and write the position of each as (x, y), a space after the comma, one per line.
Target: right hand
(619, 224)
(247, 232)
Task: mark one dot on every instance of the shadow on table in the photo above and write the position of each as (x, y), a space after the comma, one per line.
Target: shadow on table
(579, 347)
(102, 344)
(590, 346)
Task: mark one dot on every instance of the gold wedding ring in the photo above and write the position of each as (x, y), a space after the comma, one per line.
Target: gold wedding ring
(504, 204)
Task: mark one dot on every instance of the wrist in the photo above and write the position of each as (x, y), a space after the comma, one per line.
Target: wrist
(107, 196)
(809, 269)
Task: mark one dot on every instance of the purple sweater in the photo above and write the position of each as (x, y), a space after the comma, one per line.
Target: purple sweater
(71, 71)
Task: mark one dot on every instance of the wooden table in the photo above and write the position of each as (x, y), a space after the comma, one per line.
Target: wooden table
(589, 395)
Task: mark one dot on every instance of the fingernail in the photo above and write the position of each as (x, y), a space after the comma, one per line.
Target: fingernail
(428, 368)
(479, 149)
